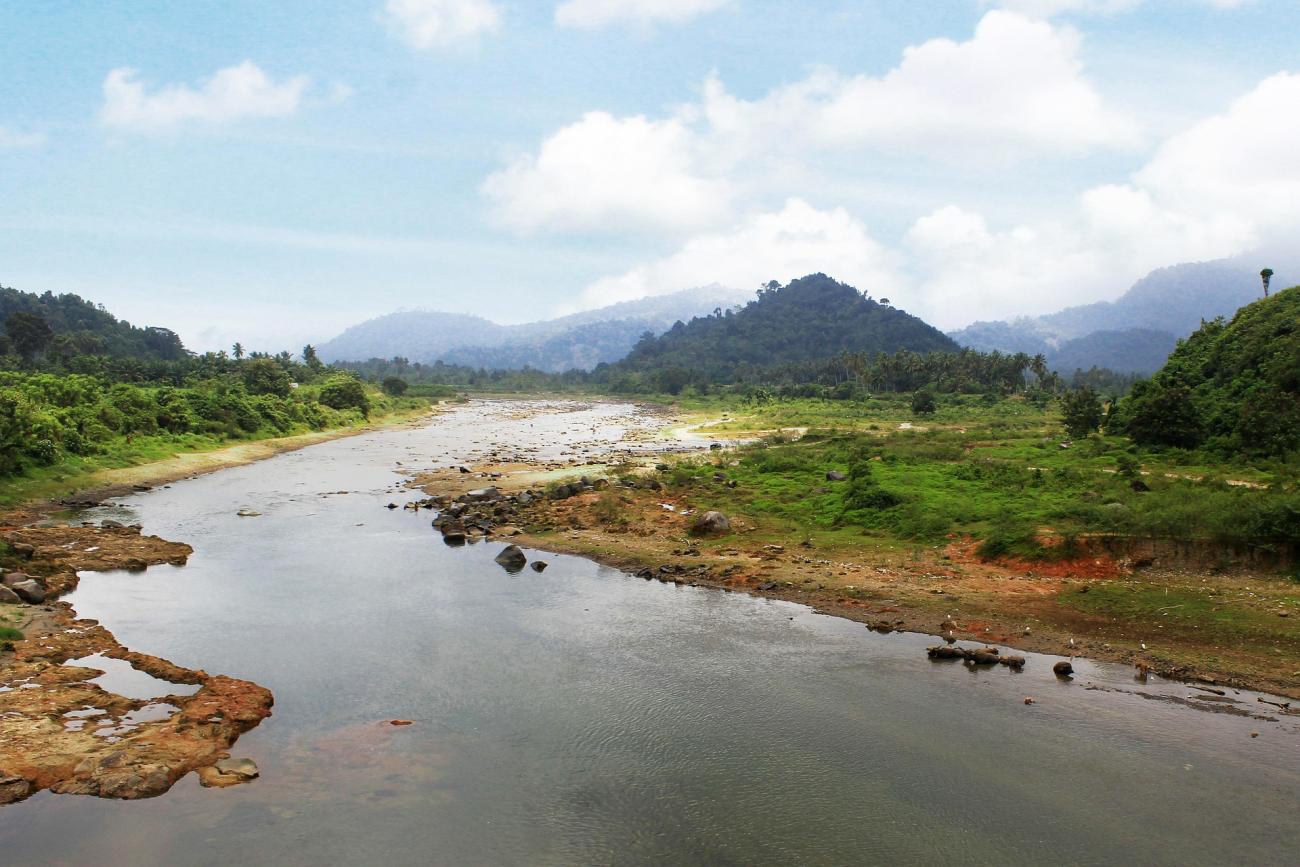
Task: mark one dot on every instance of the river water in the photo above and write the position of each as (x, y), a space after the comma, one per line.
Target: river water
(583, 716)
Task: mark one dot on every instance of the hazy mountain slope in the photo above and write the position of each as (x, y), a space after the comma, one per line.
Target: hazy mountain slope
(810, 318)
(1170, 301)
(578, 340)
(1134, 350)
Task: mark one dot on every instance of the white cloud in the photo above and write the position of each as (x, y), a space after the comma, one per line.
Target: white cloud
(13, 139)
(1048, 8)
(1014, 90)
(426, 24)
(1016, 87)
(793, 242)
(231, 94)
(608, 173)
(594, 14)
(1240, 164)
(1228, 184)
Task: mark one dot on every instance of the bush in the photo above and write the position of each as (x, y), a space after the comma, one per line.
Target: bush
(266, 376)
(345, 392)
(395, 386)
(924, 403)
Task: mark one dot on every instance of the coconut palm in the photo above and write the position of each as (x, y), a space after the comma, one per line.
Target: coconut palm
(1267, 277)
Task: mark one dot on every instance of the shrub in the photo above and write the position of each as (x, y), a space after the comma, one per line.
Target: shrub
(345, 392)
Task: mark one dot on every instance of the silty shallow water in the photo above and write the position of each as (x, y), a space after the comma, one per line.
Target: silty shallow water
(585, 716)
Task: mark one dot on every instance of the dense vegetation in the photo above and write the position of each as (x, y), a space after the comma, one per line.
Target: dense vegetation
(1232, 387)
(64, 327)
(809, 319)
(113, 394)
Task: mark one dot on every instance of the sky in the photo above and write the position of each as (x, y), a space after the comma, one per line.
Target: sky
(273, 172)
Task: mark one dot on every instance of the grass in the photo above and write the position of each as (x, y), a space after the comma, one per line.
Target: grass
(1212, 613)
(997, 471)
(8, 633)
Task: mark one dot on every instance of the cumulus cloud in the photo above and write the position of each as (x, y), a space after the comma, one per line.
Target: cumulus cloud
(1048, 8)
(1016, 89)
(781, 245)
(13, 139)
(231, 94)
(426, 24)
(594, 14)
(609, 173)
(1226, 185)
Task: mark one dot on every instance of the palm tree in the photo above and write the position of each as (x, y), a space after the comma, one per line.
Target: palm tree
(1267, 276)
(237, 350)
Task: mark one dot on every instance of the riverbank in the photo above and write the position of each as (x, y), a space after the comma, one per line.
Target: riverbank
(31, 499)
(62, 731)
(1098, 605)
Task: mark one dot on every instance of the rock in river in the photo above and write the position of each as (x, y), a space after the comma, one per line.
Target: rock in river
(539, 565)
(512, 558)
(1063, 669)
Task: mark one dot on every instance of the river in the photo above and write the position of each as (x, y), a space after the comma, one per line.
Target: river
(583, 716)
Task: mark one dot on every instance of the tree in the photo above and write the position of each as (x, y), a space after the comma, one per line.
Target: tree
(1266, 276)
(395, 386)
(923, 402)
(265, 376)
(1082, 412)
(310, 358)
(29, 334)
(237, 350)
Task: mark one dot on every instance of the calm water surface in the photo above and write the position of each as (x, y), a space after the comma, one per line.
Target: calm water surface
(583, 716)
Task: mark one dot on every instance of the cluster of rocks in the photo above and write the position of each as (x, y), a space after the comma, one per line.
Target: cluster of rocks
(976, 655)
(18, 587)
(671, 573)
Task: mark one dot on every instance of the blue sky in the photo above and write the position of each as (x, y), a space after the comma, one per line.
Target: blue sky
(274, 172)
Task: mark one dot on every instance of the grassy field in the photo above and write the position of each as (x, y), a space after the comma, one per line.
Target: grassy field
(1003, 471)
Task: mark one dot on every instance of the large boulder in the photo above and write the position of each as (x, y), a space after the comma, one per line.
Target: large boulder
(711, 524)
(12, 578)
(29, 591)
(479, 495)
(512, 558)
(8, 597)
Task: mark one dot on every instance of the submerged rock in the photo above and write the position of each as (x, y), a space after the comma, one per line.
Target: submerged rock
(539, 565)
(511, 558)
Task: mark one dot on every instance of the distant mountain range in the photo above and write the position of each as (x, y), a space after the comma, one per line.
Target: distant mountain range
(581, 340)
(1136, 332)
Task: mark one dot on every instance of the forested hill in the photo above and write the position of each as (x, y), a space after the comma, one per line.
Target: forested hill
(811, 318)
(1232, 386)
(69, 325)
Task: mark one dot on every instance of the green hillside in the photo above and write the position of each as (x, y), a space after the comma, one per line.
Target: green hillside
(812, 318)
(1232, 386)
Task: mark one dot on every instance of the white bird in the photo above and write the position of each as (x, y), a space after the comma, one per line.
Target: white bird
(1072, 642)
(1144, 647)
